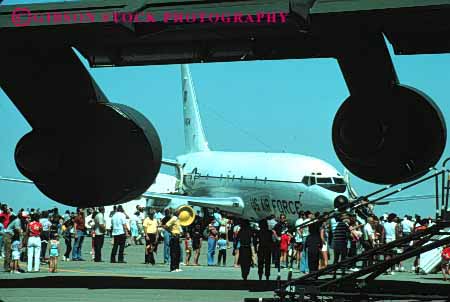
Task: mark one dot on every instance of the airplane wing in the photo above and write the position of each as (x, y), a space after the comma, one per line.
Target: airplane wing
(233, 205)
(16, 180)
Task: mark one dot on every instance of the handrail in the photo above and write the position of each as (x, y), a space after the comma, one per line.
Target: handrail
(445, 205)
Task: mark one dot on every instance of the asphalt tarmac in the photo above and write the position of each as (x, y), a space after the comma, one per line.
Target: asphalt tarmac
(136, 281)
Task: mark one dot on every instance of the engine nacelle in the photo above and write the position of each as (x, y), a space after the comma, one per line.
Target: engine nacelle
(389, 138)
(109, 153)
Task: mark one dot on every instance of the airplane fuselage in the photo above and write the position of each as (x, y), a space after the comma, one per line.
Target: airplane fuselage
(268, 183)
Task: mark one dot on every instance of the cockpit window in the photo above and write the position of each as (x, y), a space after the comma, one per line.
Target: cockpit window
(339, 181)
(309, 180)
(337, 186)
(324, 180)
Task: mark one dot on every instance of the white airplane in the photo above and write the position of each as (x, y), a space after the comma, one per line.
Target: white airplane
(250, 185)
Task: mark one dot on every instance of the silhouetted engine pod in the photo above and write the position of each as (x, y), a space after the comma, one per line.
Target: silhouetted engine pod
(111, 154)
(388, 139)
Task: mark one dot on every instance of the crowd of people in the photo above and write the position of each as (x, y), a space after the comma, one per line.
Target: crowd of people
(29, 234)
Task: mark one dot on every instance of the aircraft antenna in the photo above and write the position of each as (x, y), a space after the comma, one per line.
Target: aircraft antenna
(240, 128)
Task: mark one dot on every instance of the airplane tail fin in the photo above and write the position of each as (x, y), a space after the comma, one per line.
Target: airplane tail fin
(194, 135)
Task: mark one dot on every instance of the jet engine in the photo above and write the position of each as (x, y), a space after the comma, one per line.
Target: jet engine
(111, 156)
(384, 132)
(389, 138)
(83, 150)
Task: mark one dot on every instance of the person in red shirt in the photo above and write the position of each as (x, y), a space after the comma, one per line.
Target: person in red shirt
(34, 242)
(284, 247)
(6, 214)
(445, 265)
(79, 233)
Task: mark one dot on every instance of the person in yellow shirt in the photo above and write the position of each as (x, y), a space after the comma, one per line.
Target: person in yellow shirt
(150, 225)
(174, 227)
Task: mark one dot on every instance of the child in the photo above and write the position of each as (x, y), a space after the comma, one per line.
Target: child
(284, 245)
(188, 247)
(149, 256)
(445, 266)
(15, 247)
(222, 245)
(53, 253)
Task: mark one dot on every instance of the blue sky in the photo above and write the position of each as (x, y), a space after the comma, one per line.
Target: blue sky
(276, 106)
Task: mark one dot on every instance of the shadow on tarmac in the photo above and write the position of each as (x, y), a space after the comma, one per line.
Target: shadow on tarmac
(105, 282)
(114, 282)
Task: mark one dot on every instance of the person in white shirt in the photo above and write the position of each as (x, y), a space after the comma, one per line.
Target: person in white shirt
(45, 234)
(407, 226)
(89, 222)
(304, 266)
(140, 221)
(390, 231)
(134, 229)
(369, 237)
(299, 244)
(120, 232)
(99, 230)
(390, 228)
(271, 222)
(309, 216)
(159, 216)
(217, 218)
